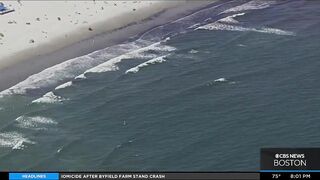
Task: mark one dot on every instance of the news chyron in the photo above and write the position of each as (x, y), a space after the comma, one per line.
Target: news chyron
(275, 164)
(290, 163)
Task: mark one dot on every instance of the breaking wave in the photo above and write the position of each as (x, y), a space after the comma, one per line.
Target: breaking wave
(111, 65)
(67, 70)
(219, 81)
(36, 123)
(252, 5)
(231, 19)
(145, 64)
(14, 140)
(107, 59)
(65, 85)
(193, 51)
(53, 75)
(49, 98)
(227, 27)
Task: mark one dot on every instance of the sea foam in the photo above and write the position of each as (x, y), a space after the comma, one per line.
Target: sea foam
(218, 81)
(252, 5)
(35, 123)
(227, 27)
(49, 98)
(221, 80)
(111, 65)
(231, 19)
(68, 69)
(65, 85)
(50, 76)
(145, 64)
(14, 140)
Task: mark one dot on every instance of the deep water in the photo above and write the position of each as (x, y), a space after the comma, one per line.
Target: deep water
(205, 99)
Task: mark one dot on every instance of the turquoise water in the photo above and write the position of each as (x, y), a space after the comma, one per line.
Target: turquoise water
(205, 99)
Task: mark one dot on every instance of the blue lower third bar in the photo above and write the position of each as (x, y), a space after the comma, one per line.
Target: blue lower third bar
(33, 176)
(289, 171)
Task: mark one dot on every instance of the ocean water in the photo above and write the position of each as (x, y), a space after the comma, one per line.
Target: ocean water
(202, 93)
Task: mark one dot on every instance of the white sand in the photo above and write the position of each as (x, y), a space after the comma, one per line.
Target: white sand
(56, 24)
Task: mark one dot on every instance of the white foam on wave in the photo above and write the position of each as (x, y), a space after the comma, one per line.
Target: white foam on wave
(68, 69)
(35, 123)
(231, 19)
(49, 98)
(194, 26)
(167, 39)
(50, 76)
(14, 140)
(252, 5)
(227, 27)
(147, 63)
(81, 76)
(111, 65)
(193, 51)
(217, 81)
(276, 31)
(65, 85)
(221, 80)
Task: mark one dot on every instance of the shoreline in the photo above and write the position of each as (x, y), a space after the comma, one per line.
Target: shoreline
(25, 63)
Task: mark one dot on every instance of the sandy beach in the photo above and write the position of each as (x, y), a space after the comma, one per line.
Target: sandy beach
(39, 34)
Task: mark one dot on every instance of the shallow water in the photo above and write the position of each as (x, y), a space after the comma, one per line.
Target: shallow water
(232, 78)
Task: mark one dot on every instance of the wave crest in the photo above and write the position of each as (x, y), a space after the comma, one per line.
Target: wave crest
(65, 85)
(111, 65)
(227, 27)
(14, 140)
(231, 19)
(49, 98)
(37, 122)
(145, 64)
(252, 5)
